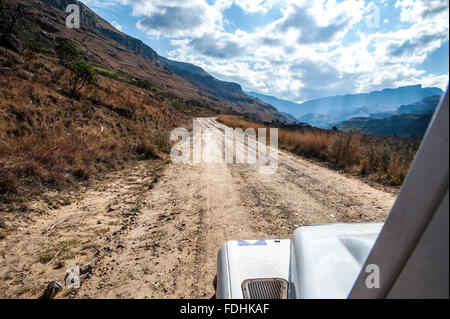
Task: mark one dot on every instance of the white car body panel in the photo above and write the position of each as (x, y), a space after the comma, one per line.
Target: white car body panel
(326, 260)
(319, 261)
(242, 260)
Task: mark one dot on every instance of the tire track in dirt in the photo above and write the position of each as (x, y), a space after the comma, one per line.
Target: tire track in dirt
(220, 202)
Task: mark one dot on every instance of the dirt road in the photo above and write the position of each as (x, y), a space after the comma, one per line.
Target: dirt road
(160, 240)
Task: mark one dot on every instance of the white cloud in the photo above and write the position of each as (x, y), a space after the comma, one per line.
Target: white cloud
(102, 3)
(250, 6)
(417, 10)
(116, 25)
(433, 80)
(302, 55)
(175, 18)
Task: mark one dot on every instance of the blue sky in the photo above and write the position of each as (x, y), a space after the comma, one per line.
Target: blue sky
(296, 49)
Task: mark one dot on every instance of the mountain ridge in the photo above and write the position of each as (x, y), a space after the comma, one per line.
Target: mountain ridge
(104, 45)
(404, 125)
(285, 106)
(426, 106)
(325, 112)
(386, 98)
(408, 121)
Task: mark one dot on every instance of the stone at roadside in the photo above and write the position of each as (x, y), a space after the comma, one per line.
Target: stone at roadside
(53, 288)
(109, 249)
(59, 265)
(86, 269)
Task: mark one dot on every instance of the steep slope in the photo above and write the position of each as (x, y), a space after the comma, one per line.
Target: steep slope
(290, 117)
(50, 139)
(102, 44)
(229, 92)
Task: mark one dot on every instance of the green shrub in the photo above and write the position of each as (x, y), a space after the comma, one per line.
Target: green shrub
(46, 258)
(83, 73)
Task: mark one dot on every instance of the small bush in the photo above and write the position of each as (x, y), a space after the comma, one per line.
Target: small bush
(146, 150)
(46, 258)
(161, 140)
(83, 73)
(8, 182)
(344, 151)
(68, 53)
(82, 173)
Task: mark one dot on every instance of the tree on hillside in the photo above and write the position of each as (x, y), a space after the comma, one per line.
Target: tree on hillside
(10, 17)
(83, 73)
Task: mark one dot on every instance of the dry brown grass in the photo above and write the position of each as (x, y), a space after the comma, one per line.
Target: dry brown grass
(386, 160)
(50, 140)
(308, 144)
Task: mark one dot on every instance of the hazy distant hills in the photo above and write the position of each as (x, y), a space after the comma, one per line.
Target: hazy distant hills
(325, 112)
(403, 112)
(282, 105)
(409, 121)
(327, 120)
(426, 106)
(405, 125)
(387, 98)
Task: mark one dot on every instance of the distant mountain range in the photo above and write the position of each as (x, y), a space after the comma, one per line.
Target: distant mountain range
(326, 112)
(327, 120)
(385, 99)
(405, 125)
(409, 121)
(426, 106)
(106, 46)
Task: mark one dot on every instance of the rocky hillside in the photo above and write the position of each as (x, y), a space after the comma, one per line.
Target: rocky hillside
(103, 45)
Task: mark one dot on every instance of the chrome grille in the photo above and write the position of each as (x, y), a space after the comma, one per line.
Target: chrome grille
(271, 288)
